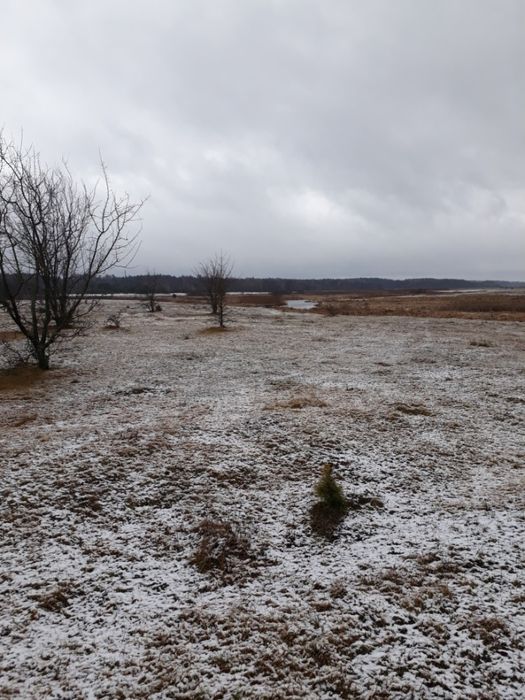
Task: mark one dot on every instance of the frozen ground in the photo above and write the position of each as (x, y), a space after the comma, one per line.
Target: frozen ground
(112, 462)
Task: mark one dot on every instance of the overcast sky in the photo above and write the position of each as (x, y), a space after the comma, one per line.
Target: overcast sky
(306, 138)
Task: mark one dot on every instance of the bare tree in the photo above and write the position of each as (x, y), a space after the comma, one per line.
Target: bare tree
(151, 288)
(214, 277)
(56, 236)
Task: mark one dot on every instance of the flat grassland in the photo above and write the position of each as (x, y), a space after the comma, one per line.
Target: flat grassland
(500, 306)
(155, 496)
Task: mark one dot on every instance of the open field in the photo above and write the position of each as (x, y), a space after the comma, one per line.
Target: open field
(504, 305)
(155, 497)
(488, 305)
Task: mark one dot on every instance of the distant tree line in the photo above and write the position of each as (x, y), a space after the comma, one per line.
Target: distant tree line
(190, 284)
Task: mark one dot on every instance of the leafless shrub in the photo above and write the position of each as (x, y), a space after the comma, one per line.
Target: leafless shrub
(56, 236)
(214, 276)
(114, 320)
(15, 355)
(150, 290)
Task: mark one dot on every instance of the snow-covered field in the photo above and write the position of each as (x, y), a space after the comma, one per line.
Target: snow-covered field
(151, 450)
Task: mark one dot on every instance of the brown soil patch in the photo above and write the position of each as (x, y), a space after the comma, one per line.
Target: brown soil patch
(26, 377)
(212, 330)
(7, 336)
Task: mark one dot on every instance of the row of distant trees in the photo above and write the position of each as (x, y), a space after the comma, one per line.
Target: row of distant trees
(191, 284)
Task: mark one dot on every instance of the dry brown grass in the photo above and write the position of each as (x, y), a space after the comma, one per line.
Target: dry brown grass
(266, 300)
(20, 421)
(503, 306)
(54, 599)
(8, 336)
(480, 343)
(297, 403)
(486, 303)
(213, 330)
(492, 631)
(492, 305)
(413, 409)
(22, 377)
(223, 552)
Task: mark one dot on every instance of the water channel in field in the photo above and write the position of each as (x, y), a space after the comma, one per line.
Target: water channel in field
(301, 304)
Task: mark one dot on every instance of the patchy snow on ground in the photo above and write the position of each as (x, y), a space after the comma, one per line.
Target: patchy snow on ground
(155, 497)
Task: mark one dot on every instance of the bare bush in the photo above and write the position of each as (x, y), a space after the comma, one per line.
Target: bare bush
(214, 277)
(56, 236)
(151, 288)
(114, 320)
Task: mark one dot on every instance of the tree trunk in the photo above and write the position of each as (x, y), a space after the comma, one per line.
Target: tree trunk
(43, 362)
(42, 357)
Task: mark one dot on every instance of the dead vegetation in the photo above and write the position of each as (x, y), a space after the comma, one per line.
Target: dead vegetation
(24, 377)
(151, 477)
(224, 552)
(413, 409)
(269, 301)
(55, 598)
(480, 343)
(504, 306)
(493, 631)
(296, 403)
(22, 420)
(8, 336)
(114, 321)
(214, 330)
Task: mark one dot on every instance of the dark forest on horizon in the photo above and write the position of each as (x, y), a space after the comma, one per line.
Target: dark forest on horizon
(190, 284)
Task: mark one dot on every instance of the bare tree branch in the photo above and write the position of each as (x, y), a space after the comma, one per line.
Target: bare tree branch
(56, 236)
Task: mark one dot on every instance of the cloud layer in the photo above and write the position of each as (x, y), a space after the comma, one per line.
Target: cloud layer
(306, 138)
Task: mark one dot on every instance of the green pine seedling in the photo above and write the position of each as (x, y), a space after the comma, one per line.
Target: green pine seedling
(329, 491)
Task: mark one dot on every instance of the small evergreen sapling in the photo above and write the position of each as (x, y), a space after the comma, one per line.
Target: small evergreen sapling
(329, 491)
(330, 510)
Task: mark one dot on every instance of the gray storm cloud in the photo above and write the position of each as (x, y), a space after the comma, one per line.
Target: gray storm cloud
(333, 138)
